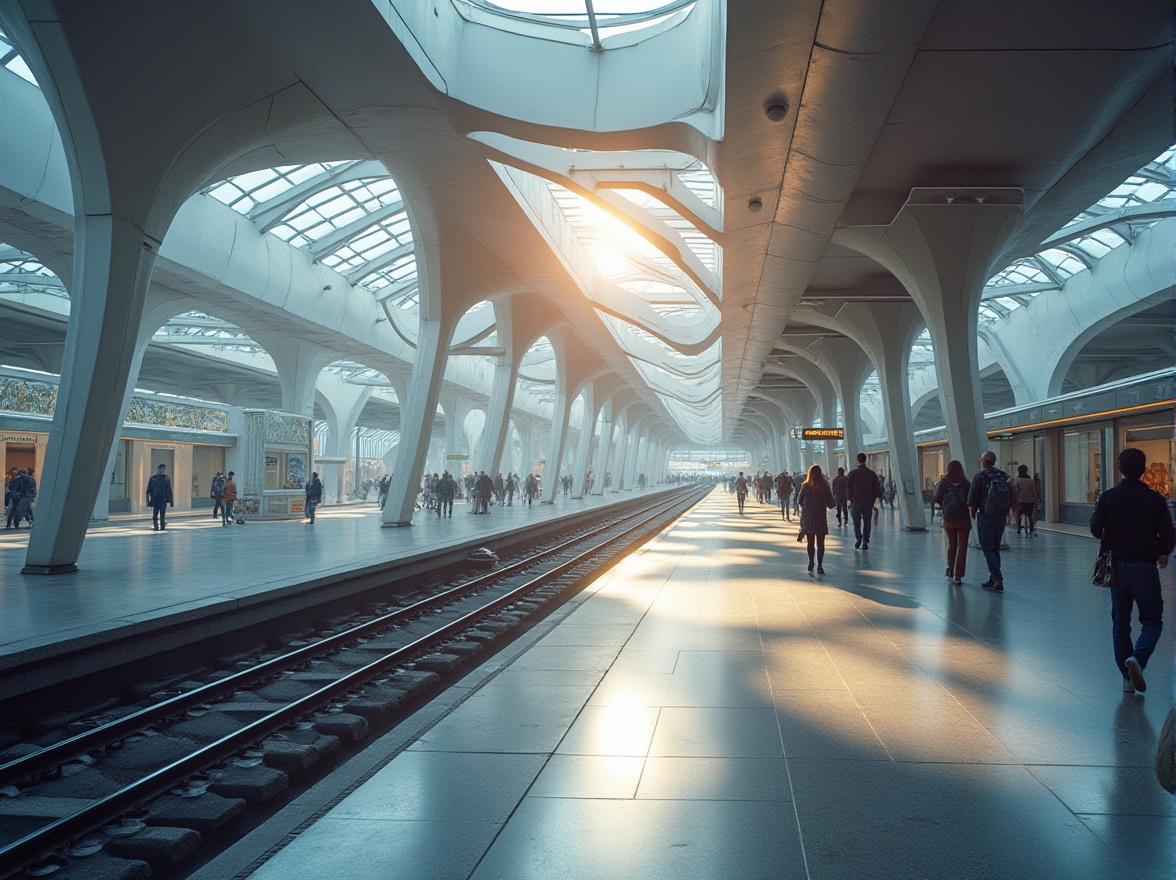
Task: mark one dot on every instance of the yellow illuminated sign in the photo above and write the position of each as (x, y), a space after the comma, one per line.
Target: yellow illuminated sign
(823, 434)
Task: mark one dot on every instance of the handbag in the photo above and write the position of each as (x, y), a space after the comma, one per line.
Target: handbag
(1104, 568)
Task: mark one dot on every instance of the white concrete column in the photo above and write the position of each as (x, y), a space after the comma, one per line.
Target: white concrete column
(887, 330)
(603, 448)
(632, 447)
(847, 366)
(942, 247)
(584, 445)
(416, 421)
(502, 390)
(527, 444)
(298, 364)
(559, 433)
(113, 261)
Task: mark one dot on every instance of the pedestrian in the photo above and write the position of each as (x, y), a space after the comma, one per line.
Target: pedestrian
(741, 491)
(216, 493)
(14, 498)
(446, 489)
(229, 497)
(990, 499)
(531, 488)
(1025, 499)
(862, 489)
(1133, 522)
(784, 494)
(840, 499)
(314, 495)
(25, 509)
(159, 496)
(815, 499)
(951, 494)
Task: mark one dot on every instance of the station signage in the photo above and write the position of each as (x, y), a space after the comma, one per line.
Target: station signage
(822, 434)
(18, 438)
(459, 456)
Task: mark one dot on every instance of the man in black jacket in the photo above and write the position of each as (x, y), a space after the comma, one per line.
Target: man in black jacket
(1134, 524)
(862, 489)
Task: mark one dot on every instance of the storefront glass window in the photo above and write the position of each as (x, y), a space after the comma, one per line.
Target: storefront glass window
(118, 474)
(286, 470)
(932, 465)
(1158, 445)
(206, 461)
(1082, 467)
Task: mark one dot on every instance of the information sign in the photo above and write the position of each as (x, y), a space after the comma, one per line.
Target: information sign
(822, 434)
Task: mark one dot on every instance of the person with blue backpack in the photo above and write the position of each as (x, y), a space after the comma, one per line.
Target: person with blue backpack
(990, 499)
(952, 497)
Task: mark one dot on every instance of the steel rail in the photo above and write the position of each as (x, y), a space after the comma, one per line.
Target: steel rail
(29, 766)
(20, 853)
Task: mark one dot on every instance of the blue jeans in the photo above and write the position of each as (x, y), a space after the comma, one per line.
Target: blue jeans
(1136, 583)
(842, 512)
(310, 508)
(786, 505)
(989, 530)
(860, 512)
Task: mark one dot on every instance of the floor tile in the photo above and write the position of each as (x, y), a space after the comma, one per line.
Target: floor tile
(646, 840)
(724, 779)
(717, 733)
(611, 730)
(588, 776)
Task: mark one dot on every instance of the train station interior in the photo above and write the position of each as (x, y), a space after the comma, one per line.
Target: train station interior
(631, 248)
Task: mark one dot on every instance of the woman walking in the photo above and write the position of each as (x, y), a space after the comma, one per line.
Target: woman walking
(952, 497)
(815, 499)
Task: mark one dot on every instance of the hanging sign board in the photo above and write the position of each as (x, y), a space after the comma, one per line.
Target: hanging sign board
(822, 434)
(460, 456)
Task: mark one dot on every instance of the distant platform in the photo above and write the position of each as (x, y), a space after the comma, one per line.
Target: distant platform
(708, 709)
(136, 585)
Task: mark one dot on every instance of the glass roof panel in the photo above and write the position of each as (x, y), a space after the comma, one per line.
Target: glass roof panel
(10, 59)
(1155, 182)
(246, 191)
(608, 17)
(334, 207)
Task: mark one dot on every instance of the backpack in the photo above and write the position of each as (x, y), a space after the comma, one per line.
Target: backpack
(998, 498)
(955, 504)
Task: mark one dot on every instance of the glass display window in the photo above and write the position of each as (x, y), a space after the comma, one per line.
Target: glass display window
(1159, 445)
(286, 470)
(932, 465)
(206, 461)
(1082, 463)
(118, 474)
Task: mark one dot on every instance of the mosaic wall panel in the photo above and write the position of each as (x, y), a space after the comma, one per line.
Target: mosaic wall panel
(177, 415)
(23, 396)
(288, 430)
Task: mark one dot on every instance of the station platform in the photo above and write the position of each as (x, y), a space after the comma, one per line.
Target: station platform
(707, 709)
(135, 585)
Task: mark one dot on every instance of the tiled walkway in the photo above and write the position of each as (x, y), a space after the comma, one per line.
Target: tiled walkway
(708, 710)
(130, 576)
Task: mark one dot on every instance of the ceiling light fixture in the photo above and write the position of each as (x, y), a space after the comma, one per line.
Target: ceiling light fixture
(755, 205)
(776, 110)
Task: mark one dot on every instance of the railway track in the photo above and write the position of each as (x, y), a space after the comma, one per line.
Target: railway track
(145, 784)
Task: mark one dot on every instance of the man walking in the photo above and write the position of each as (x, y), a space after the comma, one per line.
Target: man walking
(217, 495)
(990, 500)
(784, 494)
(159, 496)
(229, 495)
(840, 498)
(741, 491)
(862, 489)
(15, 498)
(314, 495)
(1134, 524)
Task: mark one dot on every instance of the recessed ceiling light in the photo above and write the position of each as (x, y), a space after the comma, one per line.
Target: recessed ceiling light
(776, 111)
(755, 205)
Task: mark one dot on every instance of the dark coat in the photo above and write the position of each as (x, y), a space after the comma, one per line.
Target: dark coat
(813, 506)
(314, 490)
(862, 487)
(159, 491)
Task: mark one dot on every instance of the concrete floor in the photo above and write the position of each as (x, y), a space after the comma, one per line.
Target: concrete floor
(709, 710)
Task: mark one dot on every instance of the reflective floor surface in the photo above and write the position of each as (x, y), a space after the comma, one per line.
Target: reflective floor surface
(709, 710)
